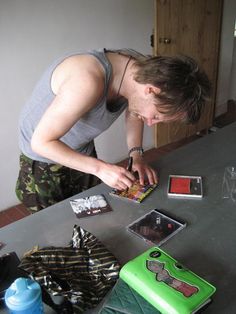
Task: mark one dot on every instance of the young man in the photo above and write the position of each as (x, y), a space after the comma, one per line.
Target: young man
(79, 97)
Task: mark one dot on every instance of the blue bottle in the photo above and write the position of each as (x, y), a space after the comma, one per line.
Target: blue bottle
(24, 297)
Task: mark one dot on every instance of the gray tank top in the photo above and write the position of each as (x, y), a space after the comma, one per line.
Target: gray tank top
(80, 137)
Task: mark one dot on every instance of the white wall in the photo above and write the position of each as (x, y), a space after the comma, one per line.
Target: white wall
(232, 92)
(226, 70)
(33, 33)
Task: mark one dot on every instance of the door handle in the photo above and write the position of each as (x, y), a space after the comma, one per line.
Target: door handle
(164, 40)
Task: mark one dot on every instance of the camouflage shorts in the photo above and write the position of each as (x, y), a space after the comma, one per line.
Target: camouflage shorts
(40, 184)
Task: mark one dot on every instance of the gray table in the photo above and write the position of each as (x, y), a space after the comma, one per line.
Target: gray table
(206, 245)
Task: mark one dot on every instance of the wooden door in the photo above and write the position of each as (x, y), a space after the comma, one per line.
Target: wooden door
(189, 27)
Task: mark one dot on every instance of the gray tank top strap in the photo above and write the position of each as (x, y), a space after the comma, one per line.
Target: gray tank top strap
(101, 56)
(127, 52)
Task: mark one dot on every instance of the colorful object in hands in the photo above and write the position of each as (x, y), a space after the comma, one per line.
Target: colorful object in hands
(136, 192)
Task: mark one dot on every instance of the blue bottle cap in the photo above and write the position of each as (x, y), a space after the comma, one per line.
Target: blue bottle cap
(22, 293)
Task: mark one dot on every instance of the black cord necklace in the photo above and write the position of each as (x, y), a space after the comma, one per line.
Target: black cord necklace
(122, 79)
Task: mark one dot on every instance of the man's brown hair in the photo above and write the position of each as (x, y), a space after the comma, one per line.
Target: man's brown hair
(184, 86)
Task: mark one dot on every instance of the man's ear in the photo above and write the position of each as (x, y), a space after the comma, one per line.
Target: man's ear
(150, 89)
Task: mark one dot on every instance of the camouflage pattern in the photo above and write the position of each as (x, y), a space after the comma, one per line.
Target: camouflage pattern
(40, 184)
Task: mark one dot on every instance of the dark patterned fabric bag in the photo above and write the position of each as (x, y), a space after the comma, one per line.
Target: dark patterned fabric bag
(81, 273)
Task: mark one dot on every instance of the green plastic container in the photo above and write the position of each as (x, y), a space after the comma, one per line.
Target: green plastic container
(166, 284)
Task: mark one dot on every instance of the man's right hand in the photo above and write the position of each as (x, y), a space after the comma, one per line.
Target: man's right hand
(115, 176)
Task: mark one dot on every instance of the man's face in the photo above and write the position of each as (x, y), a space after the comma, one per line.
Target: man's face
(151, 117)
(146, 108)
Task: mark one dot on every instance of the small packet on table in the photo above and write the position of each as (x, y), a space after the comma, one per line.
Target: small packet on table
(180, 186)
